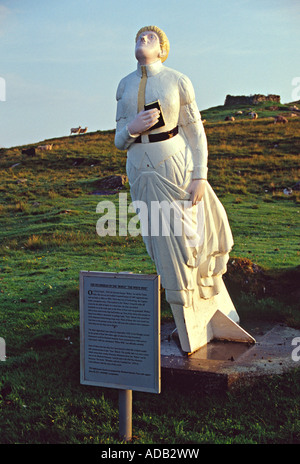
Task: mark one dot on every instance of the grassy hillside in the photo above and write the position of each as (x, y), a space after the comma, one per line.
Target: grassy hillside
(48, 234)
(263, 110)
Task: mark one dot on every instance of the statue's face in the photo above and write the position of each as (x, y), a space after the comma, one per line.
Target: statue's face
(147, 49)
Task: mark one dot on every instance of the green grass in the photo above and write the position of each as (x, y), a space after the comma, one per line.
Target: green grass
(48, 234)
(42, 402)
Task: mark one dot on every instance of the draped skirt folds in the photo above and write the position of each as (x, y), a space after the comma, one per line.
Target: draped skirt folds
(189, 245)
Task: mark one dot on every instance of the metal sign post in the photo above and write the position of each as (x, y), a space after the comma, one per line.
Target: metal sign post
(125, 414)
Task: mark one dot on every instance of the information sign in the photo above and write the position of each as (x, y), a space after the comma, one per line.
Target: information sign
(120, 330)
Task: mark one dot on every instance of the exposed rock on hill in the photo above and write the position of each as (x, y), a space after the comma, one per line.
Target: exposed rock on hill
(110, 184)
(232, 100)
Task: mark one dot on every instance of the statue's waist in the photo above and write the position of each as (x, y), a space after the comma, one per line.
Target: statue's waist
(158, 137)
(156, 151)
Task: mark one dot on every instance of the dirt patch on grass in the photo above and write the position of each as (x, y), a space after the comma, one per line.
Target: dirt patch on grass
(249, 277)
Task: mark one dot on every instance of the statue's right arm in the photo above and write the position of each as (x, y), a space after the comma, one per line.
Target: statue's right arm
(123, 138)
(126, 132)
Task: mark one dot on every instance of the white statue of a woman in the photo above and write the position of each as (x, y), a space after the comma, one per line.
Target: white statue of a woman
(167, 166)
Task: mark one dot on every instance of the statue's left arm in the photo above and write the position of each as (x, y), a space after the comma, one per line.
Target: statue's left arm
(192, 126)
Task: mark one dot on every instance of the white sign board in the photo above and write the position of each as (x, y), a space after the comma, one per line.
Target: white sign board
(120, 330)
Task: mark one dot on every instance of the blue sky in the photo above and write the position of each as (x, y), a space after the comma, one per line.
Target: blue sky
(61, 60)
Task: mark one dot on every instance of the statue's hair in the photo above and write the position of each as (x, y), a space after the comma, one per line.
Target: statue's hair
(163, 39)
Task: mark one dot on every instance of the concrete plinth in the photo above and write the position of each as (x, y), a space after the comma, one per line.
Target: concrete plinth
(226, 365)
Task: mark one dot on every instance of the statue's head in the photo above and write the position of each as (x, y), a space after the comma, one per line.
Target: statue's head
(147, 37)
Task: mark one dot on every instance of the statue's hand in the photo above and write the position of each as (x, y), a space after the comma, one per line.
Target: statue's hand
(196, 189)
(143, 121)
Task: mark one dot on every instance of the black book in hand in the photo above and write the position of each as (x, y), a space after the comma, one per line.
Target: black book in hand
(161, 121)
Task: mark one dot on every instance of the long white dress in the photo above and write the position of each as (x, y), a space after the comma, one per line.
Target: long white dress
(190, 263)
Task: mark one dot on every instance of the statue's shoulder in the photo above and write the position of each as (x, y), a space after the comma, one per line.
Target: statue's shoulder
(183, 83)
(178, 75)
(171, 72)
(123, 82)
(129, 77)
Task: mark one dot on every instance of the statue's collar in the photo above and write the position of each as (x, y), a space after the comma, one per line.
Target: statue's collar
(151, 69)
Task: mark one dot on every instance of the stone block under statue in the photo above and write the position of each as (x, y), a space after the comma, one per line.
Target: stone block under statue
(212, 319)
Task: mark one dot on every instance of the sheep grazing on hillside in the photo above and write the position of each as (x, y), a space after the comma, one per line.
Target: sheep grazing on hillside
(280, 119)
(229, 118)
(253, 115)
(45, 147)
(28, 151)
(75, 130)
